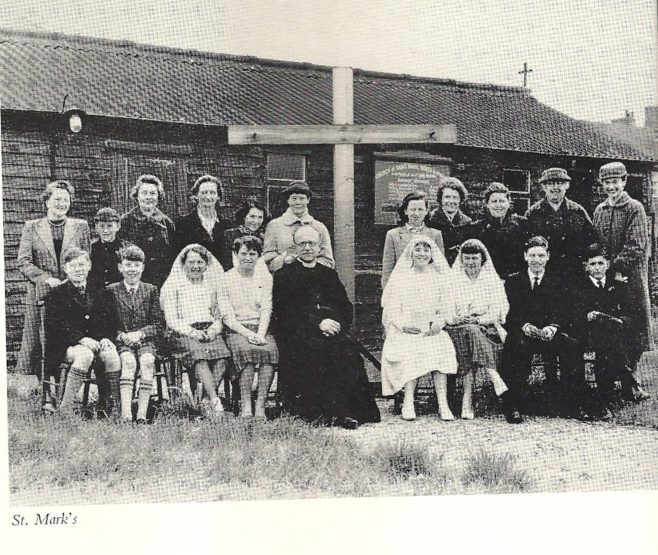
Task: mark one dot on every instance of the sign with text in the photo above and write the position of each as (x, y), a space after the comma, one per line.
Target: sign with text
(394, 180)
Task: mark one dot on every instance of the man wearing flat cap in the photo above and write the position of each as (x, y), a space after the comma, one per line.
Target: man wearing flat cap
(563, 222)
(105, 249)
(621, 223)
(279, 247)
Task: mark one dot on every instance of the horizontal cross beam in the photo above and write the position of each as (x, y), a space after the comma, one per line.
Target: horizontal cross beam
(339, 134)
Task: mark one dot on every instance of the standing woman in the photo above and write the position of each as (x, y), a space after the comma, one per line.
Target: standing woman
(40, 260)
(250, 219)
(412, 213)
(203, 226)
(279, 248)
(621, 224)
(150, 229)
(417, 306)
(448, 217)
(246, 305)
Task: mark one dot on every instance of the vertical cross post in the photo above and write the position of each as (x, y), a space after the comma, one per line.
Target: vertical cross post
(343, 107)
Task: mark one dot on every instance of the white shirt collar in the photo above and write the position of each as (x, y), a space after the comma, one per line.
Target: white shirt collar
(596, 281)
(130, 288)
(308, 264)
(411, 227)
(533, 276)
(208, 223)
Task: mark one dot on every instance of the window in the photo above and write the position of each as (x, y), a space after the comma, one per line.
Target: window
(518, 182)
(286, 167)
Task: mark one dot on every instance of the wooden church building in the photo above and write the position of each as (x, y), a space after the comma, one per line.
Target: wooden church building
(147, 109)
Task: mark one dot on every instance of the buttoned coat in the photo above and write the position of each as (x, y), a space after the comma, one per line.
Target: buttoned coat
(568, 230)
(37, 261)
(622, 230)
(450, 230)
(138, 312)
(396, 241)
(105, 262)
(69, 317)
(154, 235)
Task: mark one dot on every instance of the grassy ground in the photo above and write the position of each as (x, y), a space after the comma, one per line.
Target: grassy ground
(59, 460)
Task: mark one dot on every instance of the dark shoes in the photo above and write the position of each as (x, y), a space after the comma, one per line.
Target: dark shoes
(511, 412)
(347, 423)
(513, 416)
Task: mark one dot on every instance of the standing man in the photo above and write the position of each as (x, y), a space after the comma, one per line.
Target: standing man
(321, 373)
(563, 222)
(621, 224)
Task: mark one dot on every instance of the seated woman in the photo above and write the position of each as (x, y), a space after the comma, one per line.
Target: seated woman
(480, 308)
(190, 300)
(246, 304)
(417, 306)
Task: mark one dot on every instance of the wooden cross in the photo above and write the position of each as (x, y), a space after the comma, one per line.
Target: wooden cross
(343, 134)
(525, 72)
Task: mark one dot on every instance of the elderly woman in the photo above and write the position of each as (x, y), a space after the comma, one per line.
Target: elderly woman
(279, 247)
(246, 304)
(202, 225)
(250, 219)
(447, 217)
(502, 232)
(150, 229)
(40, 259)
(190, 300)
(417, 306)
(480, 308)
(412, 212)
(621, 223)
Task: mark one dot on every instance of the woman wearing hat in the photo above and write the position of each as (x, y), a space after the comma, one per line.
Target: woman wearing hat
(40, 259)
(203, 226)
(279, 246)
(621, 223)
(448, 217)
(150, 229)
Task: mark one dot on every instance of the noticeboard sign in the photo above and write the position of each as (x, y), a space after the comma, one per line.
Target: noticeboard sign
(394, 180)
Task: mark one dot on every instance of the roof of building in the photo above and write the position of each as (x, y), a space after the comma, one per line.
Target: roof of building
(128, 80)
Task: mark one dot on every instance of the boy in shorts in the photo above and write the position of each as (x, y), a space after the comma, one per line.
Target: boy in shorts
(137, 308)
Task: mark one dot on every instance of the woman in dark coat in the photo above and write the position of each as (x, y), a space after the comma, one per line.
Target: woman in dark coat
(150, 229)
(621, 224)
(202, 226)
(447, 217)
(250, 219)
(502, 232)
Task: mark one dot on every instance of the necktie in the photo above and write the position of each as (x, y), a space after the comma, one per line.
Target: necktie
(535, 282)
(599, 283)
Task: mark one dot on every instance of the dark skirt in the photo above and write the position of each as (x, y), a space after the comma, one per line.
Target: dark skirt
(476, 346)
(244, 353)
(193, 350)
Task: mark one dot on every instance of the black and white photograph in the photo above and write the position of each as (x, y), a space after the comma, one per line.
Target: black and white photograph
(329, 276)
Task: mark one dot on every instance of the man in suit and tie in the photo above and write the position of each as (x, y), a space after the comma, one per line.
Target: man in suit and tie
(79, 324)
(536, 323)
(137, 310)
(601, 324)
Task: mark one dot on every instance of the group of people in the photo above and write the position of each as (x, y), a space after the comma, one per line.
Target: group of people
(124, 300)
(237, 303)
(462, 295)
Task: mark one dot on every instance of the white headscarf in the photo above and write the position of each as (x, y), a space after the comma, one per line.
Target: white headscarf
(177, 277)
(485, 294)
(403, 276)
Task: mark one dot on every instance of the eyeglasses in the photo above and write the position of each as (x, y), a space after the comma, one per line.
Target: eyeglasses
(304, 244)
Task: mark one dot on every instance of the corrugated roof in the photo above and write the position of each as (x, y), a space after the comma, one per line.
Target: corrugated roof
(127, 80)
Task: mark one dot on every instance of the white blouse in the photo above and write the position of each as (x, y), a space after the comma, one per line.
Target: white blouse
(192, 303)
(246, 299)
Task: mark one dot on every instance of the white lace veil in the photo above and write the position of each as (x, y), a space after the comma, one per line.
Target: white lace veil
(488, 282)
(403, 272)
(177, 277)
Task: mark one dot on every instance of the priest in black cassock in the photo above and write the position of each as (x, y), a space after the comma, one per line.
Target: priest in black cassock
(321, 374)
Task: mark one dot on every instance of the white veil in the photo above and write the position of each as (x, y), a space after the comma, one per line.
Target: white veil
(403, 273)
(177, 277)
(489, 285)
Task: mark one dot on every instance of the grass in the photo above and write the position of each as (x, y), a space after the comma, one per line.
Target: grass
(496, 472)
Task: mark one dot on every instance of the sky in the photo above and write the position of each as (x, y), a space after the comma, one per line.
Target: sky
(591, 59)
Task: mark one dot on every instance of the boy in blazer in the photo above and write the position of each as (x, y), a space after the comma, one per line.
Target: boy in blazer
(536, 323)
(136, 307)
(601, 323)
(79, 326)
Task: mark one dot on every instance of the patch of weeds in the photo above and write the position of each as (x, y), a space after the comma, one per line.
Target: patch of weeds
(404, 460)
(496, 472)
